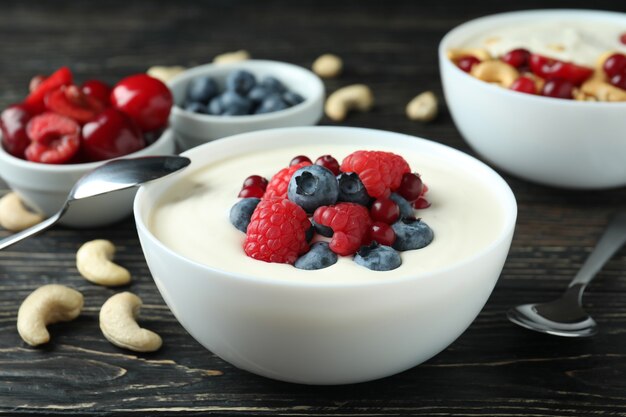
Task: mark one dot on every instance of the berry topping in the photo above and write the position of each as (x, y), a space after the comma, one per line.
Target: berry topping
(558, 88)
(241, 213)
(350, 224)
(411, 234)
(382, 233)
(411, 186)
(257, 180)
(385, 210)
(420, 203)
(378, 257)
(467, 62)
(70, 101)
(202, 89)
(35, 100)
(277, 231)
(615, 64)
(144, 99)
(524, 85)
(110, 135)
(13, 121)
(98, 90)
(298, 159)
(406, 210)
(352, 190)
(519, 58)
(380, 172)
(279, 183)
(240, 82)
(251, 191)
(552, 69)
(328, 162)
(318, 257)
(313, 186)
(55, 139)
(619, 80)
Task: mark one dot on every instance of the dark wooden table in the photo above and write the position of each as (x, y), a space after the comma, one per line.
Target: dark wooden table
(494, 368)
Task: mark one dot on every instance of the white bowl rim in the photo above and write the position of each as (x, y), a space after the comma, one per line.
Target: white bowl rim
(246, 118)
(167, 134)
(505, 195)
(444, 46)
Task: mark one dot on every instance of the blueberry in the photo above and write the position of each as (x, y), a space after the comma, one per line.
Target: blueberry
(352, 190)
(258, 94)
(321, 229)
(241, 213)
(310, 233)
(411, 234)
(318, 257)
(240, 82)
(202, 89)
(406, 210)
(196, 107)
(273, 85)
(234, 104)
(292, 98)
(378, 257)
(313, 186)
(271, 104)
(215, 106)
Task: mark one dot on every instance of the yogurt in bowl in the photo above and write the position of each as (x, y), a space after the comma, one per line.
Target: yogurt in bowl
(340, 324)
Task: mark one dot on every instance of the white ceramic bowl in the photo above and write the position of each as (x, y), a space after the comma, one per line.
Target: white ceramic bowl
(562, 143)
(45, 186)
(193, 129)
(324, 333)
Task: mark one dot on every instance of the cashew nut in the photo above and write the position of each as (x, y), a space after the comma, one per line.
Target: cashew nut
(602, 90)
(14, 216)
(165, 73)
(353, 97)
(119, 325)
(229, 57)
(46, 305)
(495, 72)
(328, 66)
(94, 262)
(456, 53)
(423, 107)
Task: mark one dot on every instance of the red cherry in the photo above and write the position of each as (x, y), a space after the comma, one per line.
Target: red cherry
(110, 135)
(558, 88)
(420, 203)
(298, 159)
(70, 101)
(622, 38)
(98, 90)
(517, 57)
(411, 186)
(13, 122)
(385, 210)
(330, 163)
(619, 80)
(382, 233)
(35, 100)
(144, 99)
(256, 180)
(524, 85)
(467, 62)
(251, 191)
(615, 64)
(551, 68)
(35, 81)
(55, 139)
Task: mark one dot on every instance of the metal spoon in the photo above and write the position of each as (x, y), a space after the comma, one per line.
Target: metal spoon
(112, 176)
(565, 316)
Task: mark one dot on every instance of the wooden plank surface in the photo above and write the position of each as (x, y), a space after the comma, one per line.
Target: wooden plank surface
(494, 368)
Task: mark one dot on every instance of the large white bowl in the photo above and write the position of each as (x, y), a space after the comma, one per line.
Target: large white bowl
(45, 187)
(325, 333)
(563, 143)
(193, 129)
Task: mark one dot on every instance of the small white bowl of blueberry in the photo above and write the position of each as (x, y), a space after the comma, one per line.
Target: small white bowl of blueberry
(217, 100)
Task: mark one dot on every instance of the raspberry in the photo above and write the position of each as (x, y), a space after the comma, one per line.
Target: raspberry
(277, 231)
(380, 172)
(279, 183)
(350, 223)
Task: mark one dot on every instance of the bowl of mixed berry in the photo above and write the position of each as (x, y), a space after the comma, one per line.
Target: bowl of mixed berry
(64, 128)
(217, 100)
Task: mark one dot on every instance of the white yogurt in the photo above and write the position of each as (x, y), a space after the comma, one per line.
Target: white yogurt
(566, 40)
(194, 219)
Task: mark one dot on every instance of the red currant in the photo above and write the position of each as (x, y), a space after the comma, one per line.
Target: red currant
(251, 191)
(55, 139)
(411, 186)
(524, 85)
(558, 88)
(110, 135)
(13, 121)
(467, 62)
(615, 64)
(144, 99)
(382, 233)
(98, 90)
(257, 180)
(329, 163)
(518, 58)
(298, 159)
(420, 203)
(385, 210)
(619, 80)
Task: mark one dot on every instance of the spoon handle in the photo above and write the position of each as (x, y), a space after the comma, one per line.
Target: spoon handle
(613, 238)
(33, 230)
